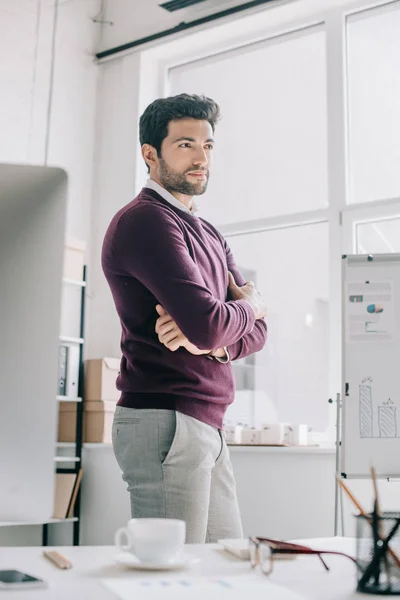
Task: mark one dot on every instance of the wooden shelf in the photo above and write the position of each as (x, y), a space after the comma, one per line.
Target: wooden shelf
(66, 459)
(68, 399)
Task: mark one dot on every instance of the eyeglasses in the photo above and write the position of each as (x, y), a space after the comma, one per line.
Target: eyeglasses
(263, 550)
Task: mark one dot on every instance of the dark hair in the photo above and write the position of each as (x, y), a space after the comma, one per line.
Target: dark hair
(153, 124)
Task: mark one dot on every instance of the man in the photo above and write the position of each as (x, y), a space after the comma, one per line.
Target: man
(185, 313)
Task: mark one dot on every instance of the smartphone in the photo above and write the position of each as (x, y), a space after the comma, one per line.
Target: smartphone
(13, 580)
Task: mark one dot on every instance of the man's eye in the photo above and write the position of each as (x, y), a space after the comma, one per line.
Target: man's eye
(184, 145)
(210, 147)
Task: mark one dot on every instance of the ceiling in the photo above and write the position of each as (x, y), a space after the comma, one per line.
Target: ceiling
(127, 21)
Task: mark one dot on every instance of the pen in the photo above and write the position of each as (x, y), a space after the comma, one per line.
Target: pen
(378, 521)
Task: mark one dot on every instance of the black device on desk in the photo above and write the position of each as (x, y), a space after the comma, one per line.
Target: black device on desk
(11, 580)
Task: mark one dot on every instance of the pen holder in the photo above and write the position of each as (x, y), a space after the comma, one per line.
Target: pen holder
(378, 554)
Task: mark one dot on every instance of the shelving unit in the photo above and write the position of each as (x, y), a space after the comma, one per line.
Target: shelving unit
(76, 447)
(49, 522)
(71, 340)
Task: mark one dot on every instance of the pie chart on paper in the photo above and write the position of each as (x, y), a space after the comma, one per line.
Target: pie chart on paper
(374, 308)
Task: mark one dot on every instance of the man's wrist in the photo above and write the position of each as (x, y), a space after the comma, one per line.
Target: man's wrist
(252, 306)
(218, 353)
(221, 355)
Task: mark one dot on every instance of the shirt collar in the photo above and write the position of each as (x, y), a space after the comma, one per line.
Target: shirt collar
(153, 185)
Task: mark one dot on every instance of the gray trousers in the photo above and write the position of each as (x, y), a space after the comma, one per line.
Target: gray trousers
(177, 467)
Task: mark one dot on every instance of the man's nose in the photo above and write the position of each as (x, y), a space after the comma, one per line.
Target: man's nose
(201, 158)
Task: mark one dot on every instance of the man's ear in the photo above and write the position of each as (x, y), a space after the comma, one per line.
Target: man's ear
(149, 154)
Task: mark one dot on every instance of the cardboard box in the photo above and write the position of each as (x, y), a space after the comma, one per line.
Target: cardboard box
(97, 421)
(74, 259)
(66, 422)
(100, 376)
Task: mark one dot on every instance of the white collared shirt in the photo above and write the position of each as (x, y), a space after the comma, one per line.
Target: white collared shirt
(153, 185)
(156, 187)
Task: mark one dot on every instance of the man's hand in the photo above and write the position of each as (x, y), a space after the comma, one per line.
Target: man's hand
(248, 293)
(171, 336)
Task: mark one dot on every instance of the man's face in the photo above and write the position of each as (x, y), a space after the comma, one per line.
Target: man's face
(184, 164)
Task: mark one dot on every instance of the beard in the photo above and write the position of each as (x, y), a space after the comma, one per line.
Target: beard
(174, 181)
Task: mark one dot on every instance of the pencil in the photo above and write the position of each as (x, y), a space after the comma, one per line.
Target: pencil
(57, 559)
(364, 514)
(350, 495)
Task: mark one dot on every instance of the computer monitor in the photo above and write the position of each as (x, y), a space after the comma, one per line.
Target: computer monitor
(32, 229)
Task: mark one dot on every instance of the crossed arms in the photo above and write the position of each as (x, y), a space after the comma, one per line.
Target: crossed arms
(155, 252)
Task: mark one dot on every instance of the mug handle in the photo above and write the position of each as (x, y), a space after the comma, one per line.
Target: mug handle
(123, 531)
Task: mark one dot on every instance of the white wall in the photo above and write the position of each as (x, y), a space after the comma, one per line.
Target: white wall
(126, 86)
(30, 114)
(26, 38)
(114, 184)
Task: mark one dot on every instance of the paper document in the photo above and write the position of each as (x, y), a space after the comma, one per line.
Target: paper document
(369, 307)
(197, 588)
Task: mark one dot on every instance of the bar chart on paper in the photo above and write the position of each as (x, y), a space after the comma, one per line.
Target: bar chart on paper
(379, 421)
(371, 359)
(198, 588)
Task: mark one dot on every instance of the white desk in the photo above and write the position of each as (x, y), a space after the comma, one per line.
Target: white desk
(305, 575)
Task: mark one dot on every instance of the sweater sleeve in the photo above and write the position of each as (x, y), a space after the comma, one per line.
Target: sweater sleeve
(150, 246)
(254, 340)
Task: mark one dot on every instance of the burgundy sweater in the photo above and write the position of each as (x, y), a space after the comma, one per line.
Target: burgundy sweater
(154, 253)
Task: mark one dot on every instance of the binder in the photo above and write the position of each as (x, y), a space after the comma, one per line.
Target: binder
(72, 371)
(62, 370)
(74, 495)
(65, 485)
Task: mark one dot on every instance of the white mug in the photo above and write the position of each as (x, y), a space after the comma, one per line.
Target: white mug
(152, 540)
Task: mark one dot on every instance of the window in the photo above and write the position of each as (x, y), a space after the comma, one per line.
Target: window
(373, 51)
(271, 152)
(288, 380)
(378, 237)
(372, 229)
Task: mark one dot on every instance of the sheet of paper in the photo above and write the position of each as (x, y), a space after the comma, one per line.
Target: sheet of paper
(228, 588)
(369, 307)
